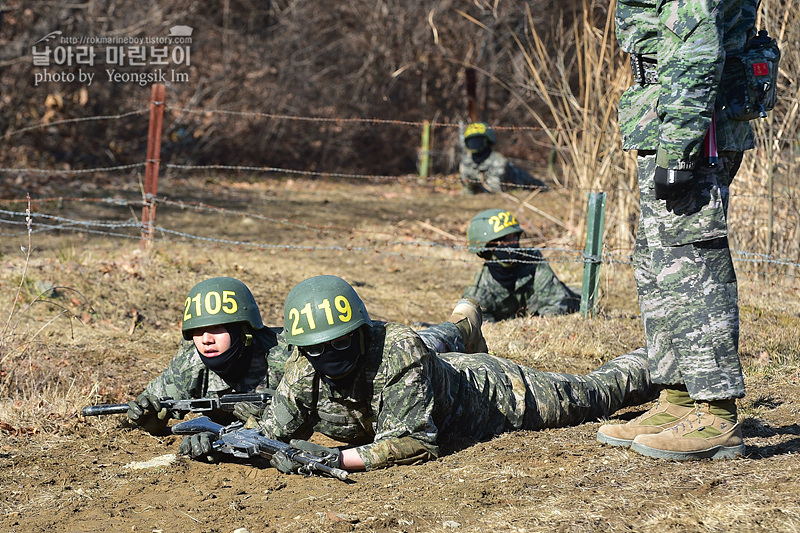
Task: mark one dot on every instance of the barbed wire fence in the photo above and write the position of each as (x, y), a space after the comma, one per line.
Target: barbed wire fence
(131, 228)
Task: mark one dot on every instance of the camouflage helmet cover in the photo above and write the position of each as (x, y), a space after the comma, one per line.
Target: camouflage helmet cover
(489, 225)
(218, 301)
(321, 309)
(480, 129)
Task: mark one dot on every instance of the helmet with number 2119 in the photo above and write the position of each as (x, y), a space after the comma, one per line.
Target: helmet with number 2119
(321, 309)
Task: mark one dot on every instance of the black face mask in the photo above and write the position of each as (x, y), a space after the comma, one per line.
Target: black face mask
(338, 368)
(507, 254)
(233, 363)
(502, 265)
(477, 144)
(504, 275)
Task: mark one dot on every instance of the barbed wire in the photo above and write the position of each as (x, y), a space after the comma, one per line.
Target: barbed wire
(70, 170)
(10, 134)
(410, 178)
(103, 227)
(374, 121)
(282, 171)
(254, 114)
(274, 116)
(57, 223)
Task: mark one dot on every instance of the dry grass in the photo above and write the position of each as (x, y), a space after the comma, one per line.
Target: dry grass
(116, 307)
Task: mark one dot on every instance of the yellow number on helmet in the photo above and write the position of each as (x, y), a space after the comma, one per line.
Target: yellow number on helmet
(475, 128)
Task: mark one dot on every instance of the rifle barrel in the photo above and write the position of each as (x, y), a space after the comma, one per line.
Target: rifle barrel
(108, 409)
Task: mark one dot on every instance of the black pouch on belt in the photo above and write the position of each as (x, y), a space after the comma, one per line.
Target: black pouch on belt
(749, 80)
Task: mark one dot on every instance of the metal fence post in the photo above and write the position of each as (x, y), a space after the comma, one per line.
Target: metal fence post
(593, 252)
(153, 160)
(425, 150)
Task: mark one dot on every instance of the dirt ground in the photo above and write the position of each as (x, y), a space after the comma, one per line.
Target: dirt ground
(120, 326)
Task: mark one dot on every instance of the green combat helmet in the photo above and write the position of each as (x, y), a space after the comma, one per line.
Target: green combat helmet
(480, 128)
(320, 309)
(489, 225)
(478, 137)
(218, 301)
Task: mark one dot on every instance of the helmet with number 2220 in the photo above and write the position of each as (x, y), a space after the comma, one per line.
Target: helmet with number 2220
(490, 225)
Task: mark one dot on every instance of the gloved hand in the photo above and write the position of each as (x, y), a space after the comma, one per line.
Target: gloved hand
(249, 413)
(671, 184)
(147, 413)
(282, 462)
(199, 446)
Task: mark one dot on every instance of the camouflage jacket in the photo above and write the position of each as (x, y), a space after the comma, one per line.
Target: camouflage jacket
(406, 401)
(689, 40)
(187, 377)
(494, 173)
(537, 291)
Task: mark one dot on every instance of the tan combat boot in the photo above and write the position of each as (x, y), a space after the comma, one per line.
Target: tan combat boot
(661, 416)
(703, 435)
(468, 319)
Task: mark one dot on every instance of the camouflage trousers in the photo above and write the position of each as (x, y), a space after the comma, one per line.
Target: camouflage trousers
(492, 395)
(567, 399)
(442, 338)
(687, 284)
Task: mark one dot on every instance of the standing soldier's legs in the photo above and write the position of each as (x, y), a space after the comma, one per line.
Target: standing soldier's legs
(674, 404)
(688, 298)
(703, 316)
(687, 286)
(691, 318)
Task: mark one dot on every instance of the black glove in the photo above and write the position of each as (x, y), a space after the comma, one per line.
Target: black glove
(671, 184)
(332, 456)
(147, 413)
(199, 446)
(248, 412)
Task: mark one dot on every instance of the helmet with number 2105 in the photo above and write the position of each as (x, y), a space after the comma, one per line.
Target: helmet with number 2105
(219, 301)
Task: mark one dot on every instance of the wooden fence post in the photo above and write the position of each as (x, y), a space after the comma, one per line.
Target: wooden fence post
(151, 166)
(592, 256)
(472, 99)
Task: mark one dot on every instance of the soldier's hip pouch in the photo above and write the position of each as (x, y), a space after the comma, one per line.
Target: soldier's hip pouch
(748, 88)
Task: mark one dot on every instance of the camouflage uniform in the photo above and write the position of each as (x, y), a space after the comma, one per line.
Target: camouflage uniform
(187, 377)
(406, 401)
(537, 291)
(493, 174)
(443, 338)
(684, 272)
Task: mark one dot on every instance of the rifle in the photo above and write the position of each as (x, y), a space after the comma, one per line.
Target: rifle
(244, 443)
(198, 405)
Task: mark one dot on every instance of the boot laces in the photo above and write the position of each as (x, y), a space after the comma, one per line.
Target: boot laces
(689, 424)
